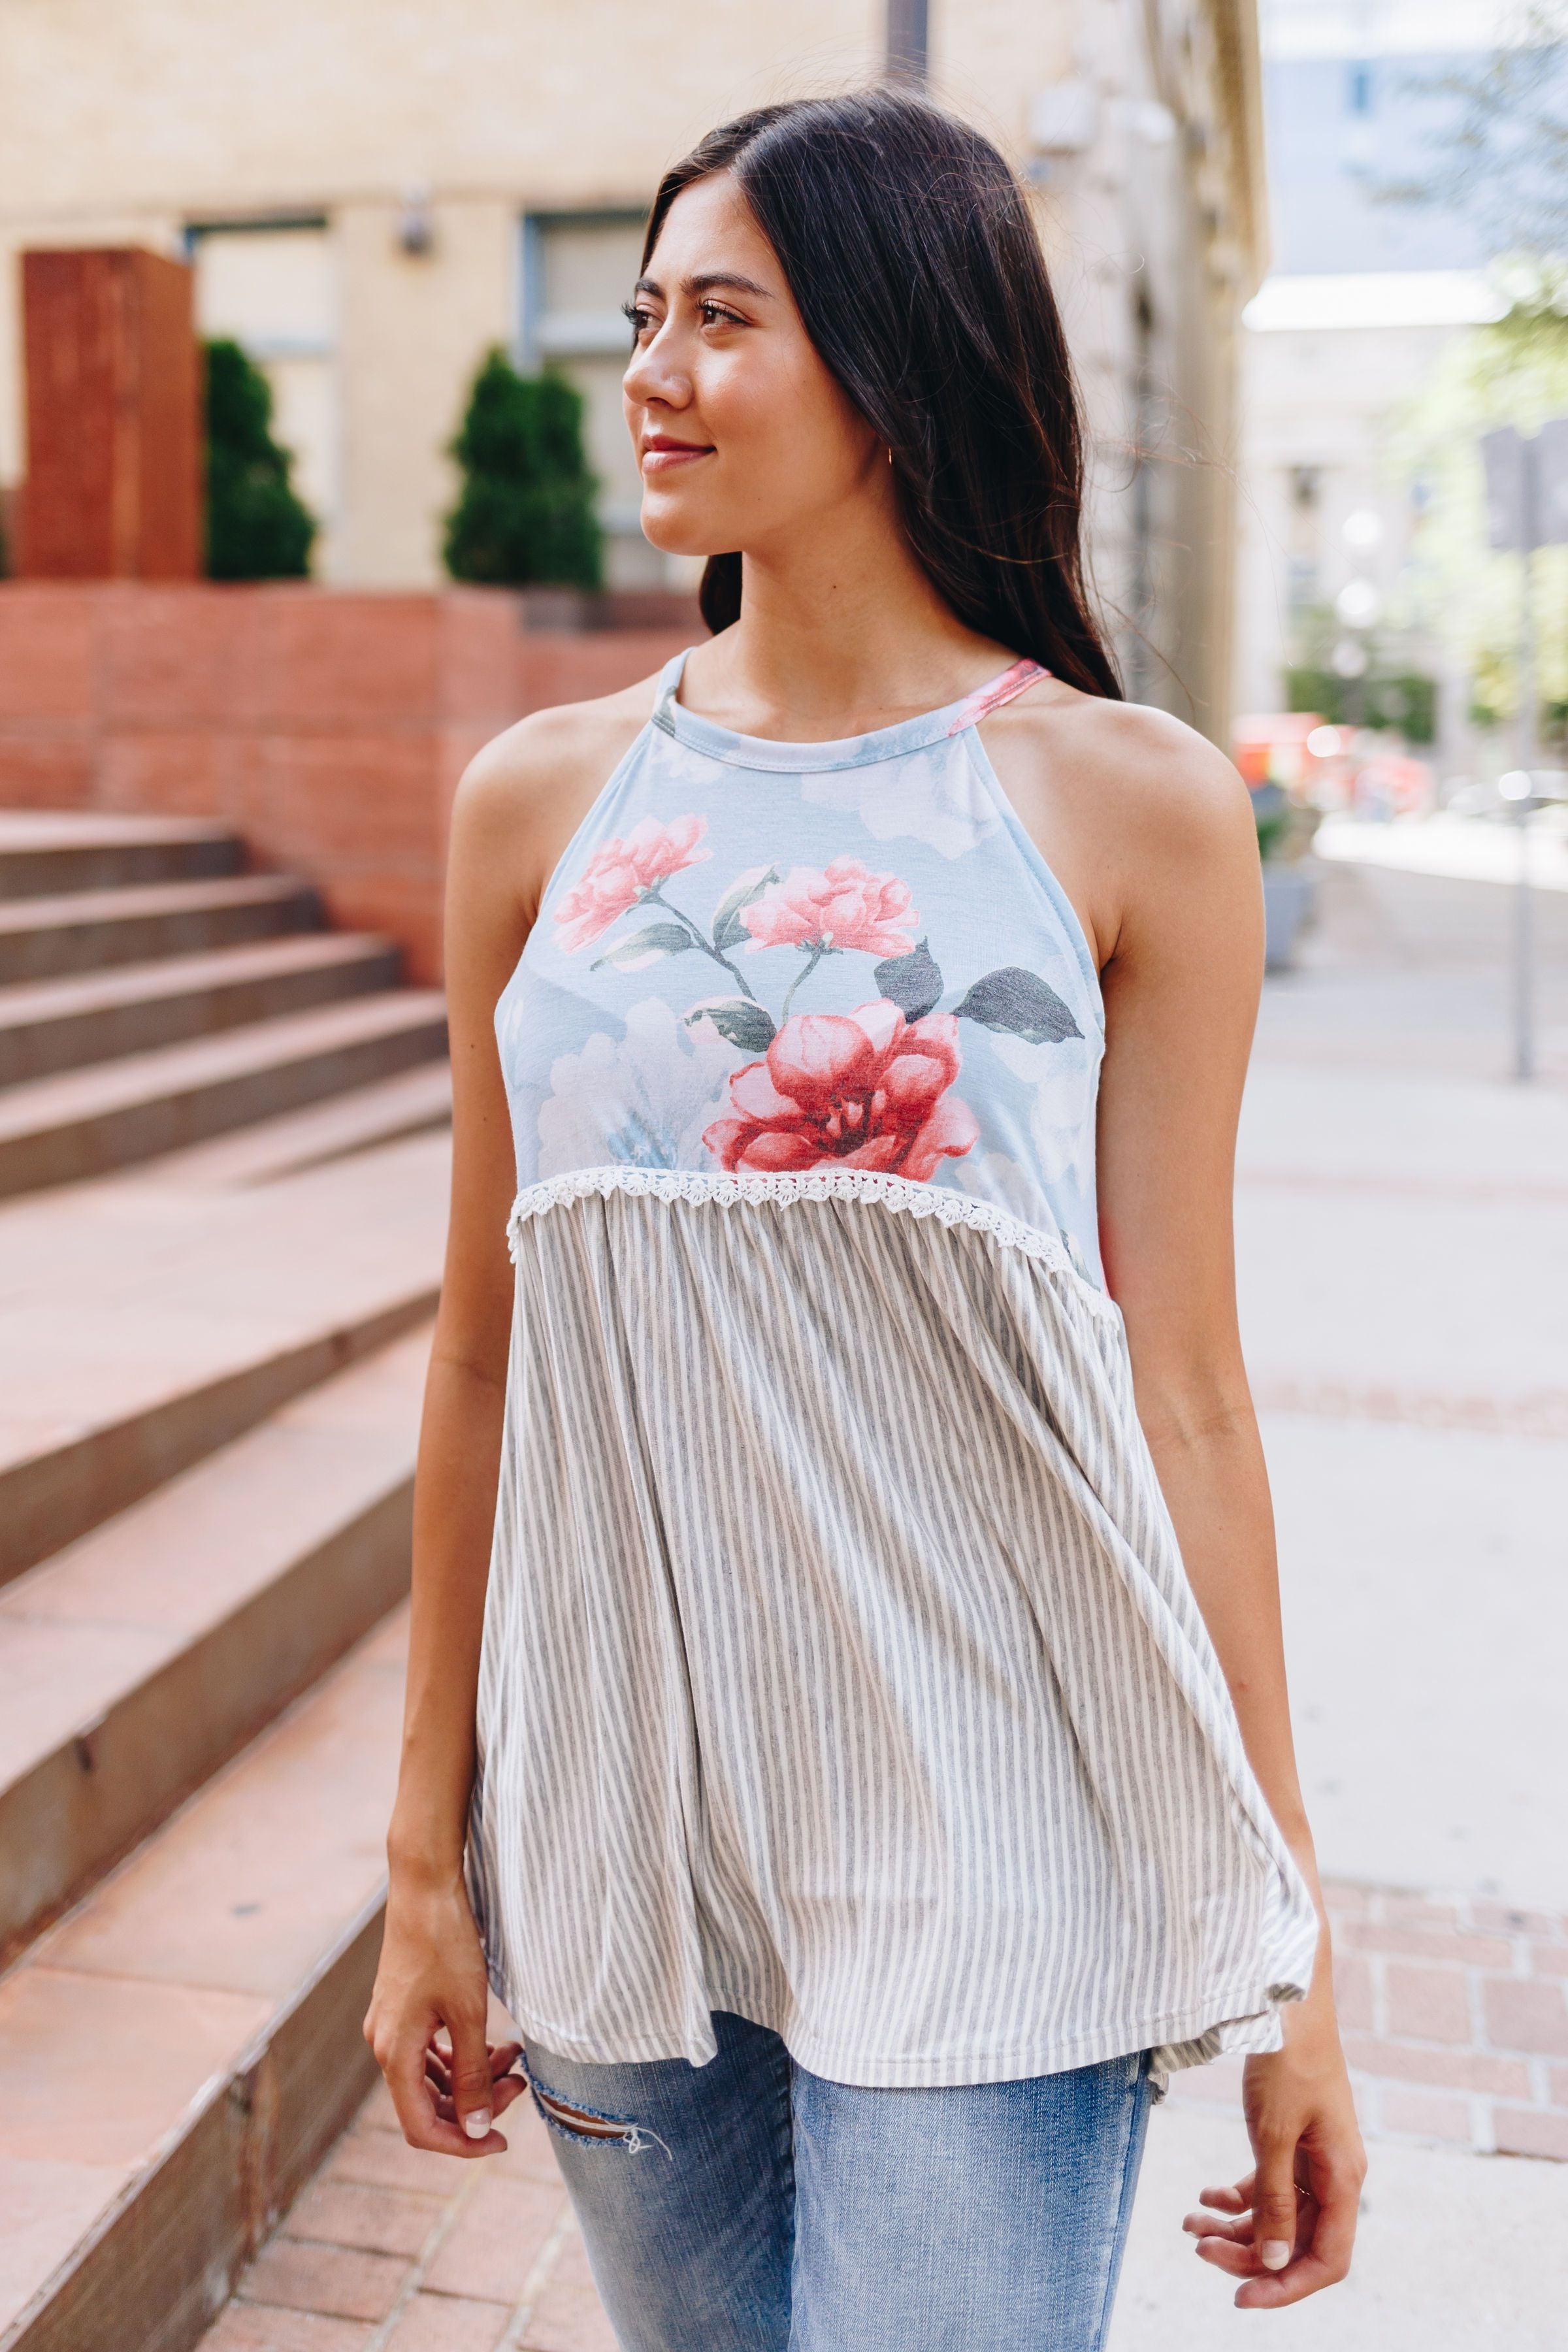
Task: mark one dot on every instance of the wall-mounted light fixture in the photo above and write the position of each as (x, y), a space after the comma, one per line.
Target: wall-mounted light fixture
(1151, 120)
(1064, 118)
(415, 228)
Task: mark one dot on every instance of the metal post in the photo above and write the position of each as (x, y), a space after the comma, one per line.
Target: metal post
(1523, 955)
(1527, 508)
(908, 40)
(1523, 928)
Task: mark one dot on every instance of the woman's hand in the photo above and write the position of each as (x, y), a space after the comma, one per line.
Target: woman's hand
(432, 1977)
(1289, 2224)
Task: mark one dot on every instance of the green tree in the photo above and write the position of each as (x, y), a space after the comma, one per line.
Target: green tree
(524, 515)
(257, 528)
(1513, 372)
(1501, 155)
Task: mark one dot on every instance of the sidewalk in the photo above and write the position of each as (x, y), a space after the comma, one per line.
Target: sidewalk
(1403, 1239)
(1402, 1213)
(1420, 1511)
(1468, 849)
(1456, 2253)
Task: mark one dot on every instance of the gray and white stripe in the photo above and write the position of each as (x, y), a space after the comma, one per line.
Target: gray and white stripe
(839, 1667)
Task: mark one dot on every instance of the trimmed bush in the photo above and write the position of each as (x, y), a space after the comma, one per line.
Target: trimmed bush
(524, 516)
(257, 527)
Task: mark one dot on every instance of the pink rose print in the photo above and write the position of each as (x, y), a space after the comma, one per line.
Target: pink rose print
(619, 872)
(864, 1089)
(844, 907)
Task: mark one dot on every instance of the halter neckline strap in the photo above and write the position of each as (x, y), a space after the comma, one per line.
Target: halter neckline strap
(952, 719)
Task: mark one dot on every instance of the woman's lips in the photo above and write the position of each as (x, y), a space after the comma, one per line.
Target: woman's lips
(664, 456)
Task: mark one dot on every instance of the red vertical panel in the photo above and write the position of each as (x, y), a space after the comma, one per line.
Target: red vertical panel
(113, 421)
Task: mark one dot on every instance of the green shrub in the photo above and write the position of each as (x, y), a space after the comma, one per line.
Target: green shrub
(257, 528)
(1310, 688)
(1403, 700)
(1407, 701)
(1273, 827)
(524, 516)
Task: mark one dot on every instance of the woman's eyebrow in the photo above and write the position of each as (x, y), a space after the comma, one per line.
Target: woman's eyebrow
(705, 284)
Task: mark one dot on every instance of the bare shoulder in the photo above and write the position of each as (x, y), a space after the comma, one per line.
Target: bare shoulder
(551, 750)
(523, 795)
(1125, 772)
(1138, 817)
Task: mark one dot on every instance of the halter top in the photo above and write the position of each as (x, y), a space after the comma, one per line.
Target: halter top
(763, 959)
(839, 1669)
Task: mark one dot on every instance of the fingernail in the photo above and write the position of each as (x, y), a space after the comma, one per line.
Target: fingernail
(478, 2124)
(1274, 2253)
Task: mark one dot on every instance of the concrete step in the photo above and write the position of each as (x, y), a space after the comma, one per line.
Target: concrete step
(135, 1662)
(414, 1103)
(42, 937)
(47, 850)
(59, 1130)
(142, 1326)
(178, 2052)
(50, 1025)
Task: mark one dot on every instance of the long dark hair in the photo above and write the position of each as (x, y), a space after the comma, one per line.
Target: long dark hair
(909, 249)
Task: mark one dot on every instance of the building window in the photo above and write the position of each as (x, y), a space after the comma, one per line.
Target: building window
(578, 269)
(1358, 132)
(270, 286)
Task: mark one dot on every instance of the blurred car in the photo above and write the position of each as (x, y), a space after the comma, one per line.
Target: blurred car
(1486, 800)
(1328, 768)
(1385, 785)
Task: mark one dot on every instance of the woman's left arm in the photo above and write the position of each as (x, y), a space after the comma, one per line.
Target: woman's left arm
(1182, 981)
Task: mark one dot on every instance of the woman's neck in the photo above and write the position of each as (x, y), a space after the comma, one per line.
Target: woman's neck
(840, 632)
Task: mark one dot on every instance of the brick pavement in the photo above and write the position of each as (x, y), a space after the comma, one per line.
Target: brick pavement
(390, 2249)
(1455, 2016)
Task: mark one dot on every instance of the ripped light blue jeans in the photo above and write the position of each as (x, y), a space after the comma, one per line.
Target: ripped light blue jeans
(747, 2206)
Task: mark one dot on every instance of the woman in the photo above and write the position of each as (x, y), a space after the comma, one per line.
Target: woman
(870, 1804)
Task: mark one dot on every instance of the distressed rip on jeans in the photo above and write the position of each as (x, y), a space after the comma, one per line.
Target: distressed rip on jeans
(585, 2123)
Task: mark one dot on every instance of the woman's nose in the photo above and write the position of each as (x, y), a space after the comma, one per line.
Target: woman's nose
(655, 374)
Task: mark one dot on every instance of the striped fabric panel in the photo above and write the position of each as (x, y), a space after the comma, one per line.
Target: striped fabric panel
(840, 1670)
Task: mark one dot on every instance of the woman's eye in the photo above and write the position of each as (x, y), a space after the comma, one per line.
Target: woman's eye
(643, 321)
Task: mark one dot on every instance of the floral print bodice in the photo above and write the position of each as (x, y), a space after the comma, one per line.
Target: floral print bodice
(768, 959)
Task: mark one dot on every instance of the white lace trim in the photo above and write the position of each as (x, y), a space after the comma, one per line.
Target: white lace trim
(895, 1192)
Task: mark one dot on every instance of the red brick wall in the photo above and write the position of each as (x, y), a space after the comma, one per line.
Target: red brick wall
(328, 726)
(113, 418)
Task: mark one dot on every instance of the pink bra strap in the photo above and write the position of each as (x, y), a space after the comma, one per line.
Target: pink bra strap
(987, 698)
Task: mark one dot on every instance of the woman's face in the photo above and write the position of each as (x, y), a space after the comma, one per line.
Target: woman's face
(743, 436)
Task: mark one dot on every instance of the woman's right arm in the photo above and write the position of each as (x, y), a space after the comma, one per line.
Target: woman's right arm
(432, 1975)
